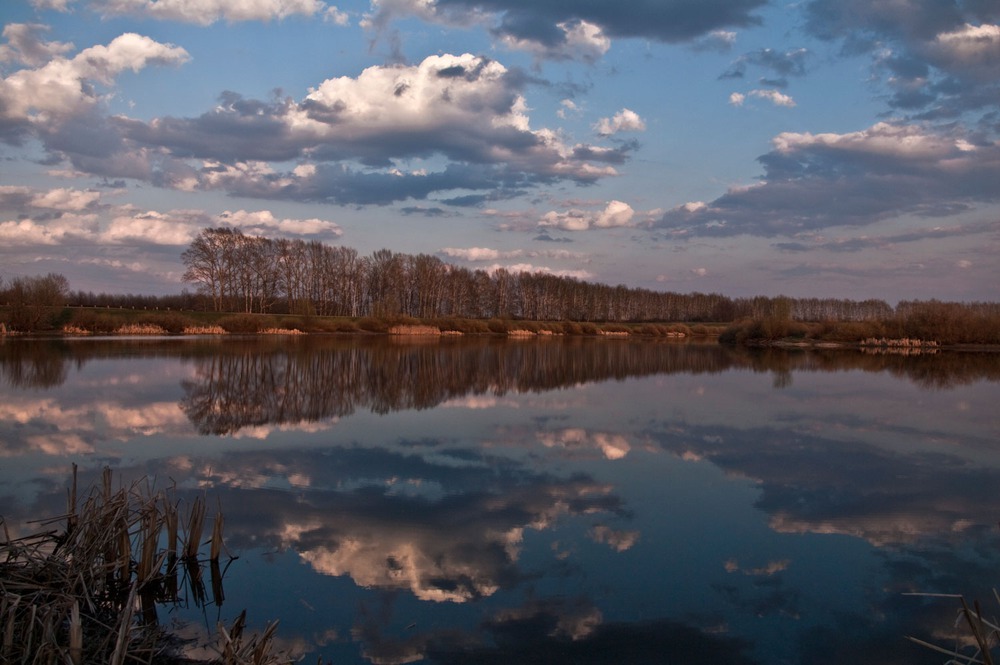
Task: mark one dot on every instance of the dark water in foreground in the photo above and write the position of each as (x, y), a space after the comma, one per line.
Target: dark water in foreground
(556, 501)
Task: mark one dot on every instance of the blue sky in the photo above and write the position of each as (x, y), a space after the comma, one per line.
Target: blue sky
(829, 148)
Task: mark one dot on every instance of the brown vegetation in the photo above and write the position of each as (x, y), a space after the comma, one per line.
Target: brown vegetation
(86, 589)
(923, 324)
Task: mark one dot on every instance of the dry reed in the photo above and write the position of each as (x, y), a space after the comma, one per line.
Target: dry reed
(981, 634)
(86, 592)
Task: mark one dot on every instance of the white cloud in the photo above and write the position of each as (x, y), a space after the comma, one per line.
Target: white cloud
(61, 87)
(335, 16)
(625, 120)
(55, 5)
(206, 12)
(568, 106)
(473, 253)
(581, 40)
(65, 199)
(699, 272)
(517, 268)
(264, 222)
(885, 139)
(773, 96)
(616, 214)
(150, 227)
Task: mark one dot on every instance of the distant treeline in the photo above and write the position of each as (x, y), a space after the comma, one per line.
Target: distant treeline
(234, 272)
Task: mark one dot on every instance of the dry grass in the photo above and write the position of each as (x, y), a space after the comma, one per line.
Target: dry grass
(140, 329)
(85, 588)
(204, 330)
(414, 330)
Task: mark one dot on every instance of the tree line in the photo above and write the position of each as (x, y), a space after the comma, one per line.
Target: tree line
(253, 274)
(234, 272)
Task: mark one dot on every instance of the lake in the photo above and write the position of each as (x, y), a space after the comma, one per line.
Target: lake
(560, 500)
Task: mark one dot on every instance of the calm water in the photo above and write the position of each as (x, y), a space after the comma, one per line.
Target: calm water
(556, 501)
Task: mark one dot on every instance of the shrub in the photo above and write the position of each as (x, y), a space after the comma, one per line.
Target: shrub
(371, 324)
(240, 323)
(497, 326)
(96, 322)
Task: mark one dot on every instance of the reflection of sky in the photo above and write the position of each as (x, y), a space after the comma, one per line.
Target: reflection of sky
(712, 508)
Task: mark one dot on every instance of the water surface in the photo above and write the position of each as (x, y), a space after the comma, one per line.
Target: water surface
(558, 500)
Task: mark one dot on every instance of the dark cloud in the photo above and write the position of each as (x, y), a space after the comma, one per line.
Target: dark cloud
(545, 237)
(869, 242)
(789, 63)
(533, 636)
(661, 20)
(818, 181)
(928, 42)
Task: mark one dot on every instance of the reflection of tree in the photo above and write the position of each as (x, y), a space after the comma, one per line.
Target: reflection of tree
(316, 379)
(32, 364)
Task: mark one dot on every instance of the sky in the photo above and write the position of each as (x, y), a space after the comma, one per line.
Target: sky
(818, 148)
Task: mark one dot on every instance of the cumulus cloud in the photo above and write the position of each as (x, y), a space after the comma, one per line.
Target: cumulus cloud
(263, 222)
(625, 120)
(65, 215)
(206, 12)
(814, 181)
(64, 87)
(26, 46)
(358, 133)
(615, 214)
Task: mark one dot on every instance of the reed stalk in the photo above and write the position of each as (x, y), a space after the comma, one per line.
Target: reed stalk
(86, 593)
(196, 523)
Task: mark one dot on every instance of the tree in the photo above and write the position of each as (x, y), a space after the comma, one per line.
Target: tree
(35, 301)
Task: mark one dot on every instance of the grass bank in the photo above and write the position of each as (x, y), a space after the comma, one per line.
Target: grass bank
(112, 321)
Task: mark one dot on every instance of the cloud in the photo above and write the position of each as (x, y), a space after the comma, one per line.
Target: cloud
(206, 12)
(941, 58)
(789, 63)
(355, 135)
(63, 88)
(615, 214)
(79, 217)
(477, 254)
(517, 268)
(717, 40)
(813, 181)
(550, 27)
(773, 96)
(580, 40)
(263, 222)
(972, 49)
(25, 45)
(623, 121)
